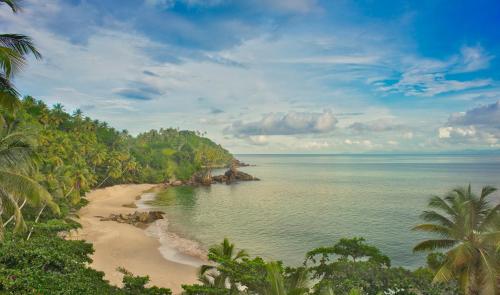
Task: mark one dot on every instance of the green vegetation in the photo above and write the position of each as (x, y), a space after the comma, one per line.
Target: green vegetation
(470, 228)
(349, 267)
(50, 159)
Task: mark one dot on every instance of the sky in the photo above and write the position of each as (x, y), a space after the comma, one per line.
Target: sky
(275, 76)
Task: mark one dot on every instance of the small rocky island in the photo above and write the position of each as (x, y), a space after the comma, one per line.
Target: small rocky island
(205, 177)
(232, 175)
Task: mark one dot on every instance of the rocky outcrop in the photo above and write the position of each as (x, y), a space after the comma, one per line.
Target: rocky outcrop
(239, 163)
(137, 218)
(233, 175)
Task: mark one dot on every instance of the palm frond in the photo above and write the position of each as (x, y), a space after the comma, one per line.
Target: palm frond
(275, 279)
(487, 190)
(20, 43)
(9, 97)
(19, 186)
(241, 254)
(431, 245)
(491, 220)
(13, 4)
(444, 274)
(436, 217)
(438, 203)
(11, 61)
(434, 228)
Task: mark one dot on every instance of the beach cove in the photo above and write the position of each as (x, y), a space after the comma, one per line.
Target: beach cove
(124, 245)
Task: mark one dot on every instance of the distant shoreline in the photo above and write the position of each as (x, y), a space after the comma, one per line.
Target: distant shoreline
(124, 245)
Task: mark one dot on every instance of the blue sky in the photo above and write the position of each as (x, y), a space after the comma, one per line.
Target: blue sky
(267, 76)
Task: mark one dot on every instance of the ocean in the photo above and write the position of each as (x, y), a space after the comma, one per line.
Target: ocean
(308, 201)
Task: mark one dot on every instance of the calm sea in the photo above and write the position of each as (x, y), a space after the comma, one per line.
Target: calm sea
(308, 201)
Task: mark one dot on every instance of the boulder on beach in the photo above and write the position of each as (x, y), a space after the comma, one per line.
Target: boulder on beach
(137, 218)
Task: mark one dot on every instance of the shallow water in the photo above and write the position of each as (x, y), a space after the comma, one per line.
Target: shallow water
(307, 201)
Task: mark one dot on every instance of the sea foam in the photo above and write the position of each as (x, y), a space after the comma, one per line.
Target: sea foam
(172, 246)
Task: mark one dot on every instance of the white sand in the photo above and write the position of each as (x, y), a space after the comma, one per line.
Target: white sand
(124, 245)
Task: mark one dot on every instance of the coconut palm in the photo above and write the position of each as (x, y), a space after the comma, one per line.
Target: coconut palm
(14, 48)
(223, 251)
(469, 229)
(295, 284)
(16, 187)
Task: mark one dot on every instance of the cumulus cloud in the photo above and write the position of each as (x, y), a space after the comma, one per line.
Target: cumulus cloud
(449, 132)
(480, 125)
(487, 115)
(287, 124)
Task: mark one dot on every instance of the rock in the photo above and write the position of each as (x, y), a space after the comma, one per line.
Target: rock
(137, 218)
(176, 183)
(239, 163)
(232, 175)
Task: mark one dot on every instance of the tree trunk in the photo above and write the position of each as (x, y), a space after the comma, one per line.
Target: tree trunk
(36, 220)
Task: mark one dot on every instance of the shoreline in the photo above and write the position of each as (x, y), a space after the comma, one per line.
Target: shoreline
(124, 245)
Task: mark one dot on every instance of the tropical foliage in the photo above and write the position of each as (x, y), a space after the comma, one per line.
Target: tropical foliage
(358, 268)
(14, 49)
(468, 227)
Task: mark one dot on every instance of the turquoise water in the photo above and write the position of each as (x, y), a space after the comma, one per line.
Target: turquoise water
(307, 201)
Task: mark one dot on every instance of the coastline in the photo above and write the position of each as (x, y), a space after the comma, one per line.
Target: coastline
(123, 245)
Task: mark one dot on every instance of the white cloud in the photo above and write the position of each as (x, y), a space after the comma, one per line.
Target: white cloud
(429, 77)
(259, 139)
(480, 125)
(473, 59)
(487, 115)
(286, 124)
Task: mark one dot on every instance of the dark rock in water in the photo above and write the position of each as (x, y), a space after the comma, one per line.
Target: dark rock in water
(137, 218)
(239, 163)
(232, 175)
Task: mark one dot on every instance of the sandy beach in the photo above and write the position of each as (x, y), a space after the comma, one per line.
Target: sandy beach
(123, 245)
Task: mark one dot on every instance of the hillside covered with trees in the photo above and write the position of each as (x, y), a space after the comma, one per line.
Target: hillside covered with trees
(75, 153)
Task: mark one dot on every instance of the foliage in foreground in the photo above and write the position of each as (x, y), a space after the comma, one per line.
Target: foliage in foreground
(48, 264)
(468, 227)
(349, 267)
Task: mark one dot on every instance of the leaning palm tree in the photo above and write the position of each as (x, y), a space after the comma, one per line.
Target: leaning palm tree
(16, 187)
(14, 48)
(469, 229)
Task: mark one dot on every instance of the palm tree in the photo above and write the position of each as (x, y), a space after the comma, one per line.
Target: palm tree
(223, 251)
(277, 284)
(16, 187)
(13, 51)
(469, 228)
